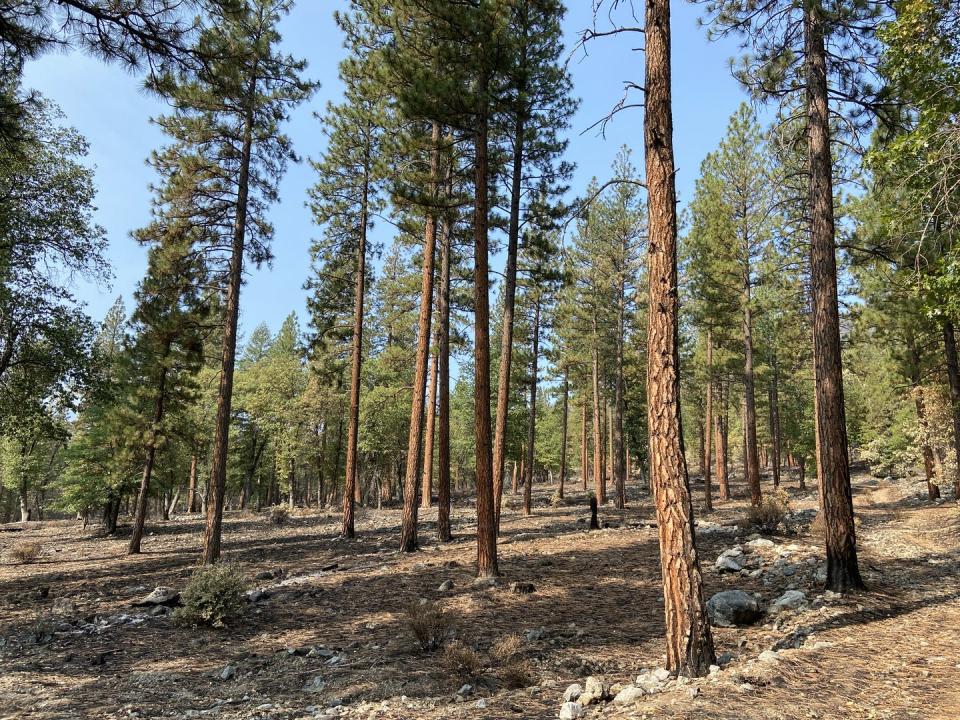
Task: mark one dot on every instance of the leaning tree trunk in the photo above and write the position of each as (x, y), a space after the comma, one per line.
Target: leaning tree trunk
(486, 520)
(953, 374)
(443, 390)
(689, 640)
(408, 530)
(708, 428)
(532, 423)
(140, 516)
(356, 358)
(506, 337)
(843, 574)
(221, 437)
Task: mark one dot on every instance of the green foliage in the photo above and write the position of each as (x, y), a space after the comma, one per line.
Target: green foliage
(214, 596)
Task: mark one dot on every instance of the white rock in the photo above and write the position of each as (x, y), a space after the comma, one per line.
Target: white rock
(628, 695)
(570, 711)
(480, 704)
(661, 674)
(596, 688)
(769, 656)
(759, 543)
(572, 692)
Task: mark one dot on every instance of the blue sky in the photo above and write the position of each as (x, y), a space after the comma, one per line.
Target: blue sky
(108, 107)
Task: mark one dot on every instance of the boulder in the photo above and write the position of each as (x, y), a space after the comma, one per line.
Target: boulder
(730, 560)
(760, 543)
(227, 673)
(445, 586)
(572, 692)
(596, 688)
(731, 608)
(571, 711)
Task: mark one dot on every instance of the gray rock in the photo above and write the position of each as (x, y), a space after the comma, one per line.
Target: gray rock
(769, 656)
(790, 600)
(480, 704)
(63, 606)
(315, 684)
(572, 692)
(445, 586)
(731, 608)
(535, 634)
(726, 563)
(227, 673)
(759, 543)
(465, 689)
(628, 695)
(571, 711)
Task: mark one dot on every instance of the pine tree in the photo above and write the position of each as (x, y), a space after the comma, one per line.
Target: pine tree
(226, 159)
(344, 200)
(166, 353)
(689, 640)
(789, 57)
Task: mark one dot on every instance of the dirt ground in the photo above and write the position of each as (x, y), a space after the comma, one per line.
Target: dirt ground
(331, 638)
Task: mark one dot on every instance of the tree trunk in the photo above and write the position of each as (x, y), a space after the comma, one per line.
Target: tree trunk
(408, 531)
(140, 516)
(532, 424)
(25, 503)
(443, 390)
(843, 574)
(584, 446)
(708, 428)
(426, 493)
(486, 520)
(918, 399)
(689, 640)
(775, 443)
(356, 354)
(751, 455)
(619, 444)
(953, 375)
(506, 337)
(563, 433)
(599, 481)
(192, 487)
(221, 438)
(722, 424)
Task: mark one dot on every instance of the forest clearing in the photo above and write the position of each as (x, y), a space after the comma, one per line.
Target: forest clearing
(479, 359)
(337, 610)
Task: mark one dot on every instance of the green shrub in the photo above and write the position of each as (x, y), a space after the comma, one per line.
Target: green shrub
(214, 596)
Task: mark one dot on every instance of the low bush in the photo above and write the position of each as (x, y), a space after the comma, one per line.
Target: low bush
(214, 596)
(279, 514)
(516, 674)
(771, 511)
(26, 552)
(430, 626)
(462, 661)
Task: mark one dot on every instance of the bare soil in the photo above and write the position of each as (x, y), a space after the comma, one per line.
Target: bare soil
(72, 645)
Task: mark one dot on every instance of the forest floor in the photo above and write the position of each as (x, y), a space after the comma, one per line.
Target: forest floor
(330, 639)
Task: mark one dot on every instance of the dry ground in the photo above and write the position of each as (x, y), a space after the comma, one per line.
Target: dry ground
(893, 652)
